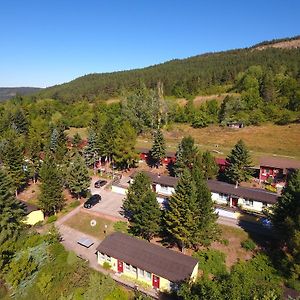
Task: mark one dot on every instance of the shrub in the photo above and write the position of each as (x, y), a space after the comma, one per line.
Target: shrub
(211, 262)
(248, 244)
(52, 219)
(121, 226)
(225, 242)
(106, 266)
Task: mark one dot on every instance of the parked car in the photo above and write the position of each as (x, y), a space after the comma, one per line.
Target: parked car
(100, 183)
(93, 200)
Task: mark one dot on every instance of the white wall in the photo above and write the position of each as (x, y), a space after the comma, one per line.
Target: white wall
(118, 189)
(164, 190)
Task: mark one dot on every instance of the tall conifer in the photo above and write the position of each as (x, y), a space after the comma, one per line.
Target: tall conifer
(158, 150)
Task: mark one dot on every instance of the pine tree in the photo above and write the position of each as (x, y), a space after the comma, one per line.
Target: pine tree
(14, 161)
(91, 150)
(11, 210)
(286, 218)
(78, 178)
(141, 208)
(180, 220)
(51, 199)
(206, 229)
(209, 166)
(76, 140)
(185, 155)
(238, 161)
(158, 150)
(58, 144)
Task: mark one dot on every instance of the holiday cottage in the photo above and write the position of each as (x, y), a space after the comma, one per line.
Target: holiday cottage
(33, 214)
(156, 266)
(275, 170)
(249, 199)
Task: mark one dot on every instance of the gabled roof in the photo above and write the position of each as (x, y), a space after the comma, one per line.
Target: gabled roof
(243, 192)
(160, 179)
(29, 207)
(152, 258)
(279, 162)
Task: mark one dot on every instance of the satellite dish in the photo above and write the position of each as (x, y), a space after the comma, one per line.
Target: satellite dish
(93, 223)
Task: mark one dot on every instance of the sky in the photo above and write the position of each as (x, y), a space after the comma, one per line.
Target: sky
(48, 42)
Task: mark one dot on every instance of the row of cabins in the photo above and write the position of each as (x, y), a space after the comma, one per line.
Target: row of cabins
(250, 199)
(153, 265)
(271, 170)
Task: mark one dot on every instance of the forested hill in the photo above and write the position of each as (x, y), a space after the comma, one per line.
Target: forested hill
(7, 92)
(183, 77)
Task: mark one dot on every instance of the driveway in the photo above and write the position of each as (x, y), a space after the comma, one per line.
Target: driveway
(110, 203)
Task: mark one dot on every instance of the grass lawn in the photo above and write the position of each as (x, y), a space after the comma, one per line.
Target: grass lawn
(233, 251)
(83, 132)
(82, 222)
(267, 139)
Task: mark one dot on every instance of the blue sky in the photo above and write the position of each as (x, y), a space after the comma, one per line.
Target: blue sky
(46, 42)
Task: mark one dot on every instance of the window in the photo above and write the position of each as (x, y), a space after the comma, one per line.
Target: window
(248, 202)
(141, 273)
(133, 269)
(127, 267)
(148, 275)
(108, 258)
(102, 256)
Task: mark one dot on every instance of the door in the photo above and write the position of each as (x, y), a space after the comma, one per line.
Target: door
(120, 266)
(234, 202)
(155, 282)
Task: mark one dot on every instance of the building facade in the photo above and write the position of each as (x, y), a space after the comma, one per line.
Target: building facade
(144, 262)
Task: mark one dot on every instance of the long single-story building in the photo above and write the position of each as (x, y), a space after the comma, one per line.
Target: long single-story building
(158, 267)
(33, 214)
(250, 199)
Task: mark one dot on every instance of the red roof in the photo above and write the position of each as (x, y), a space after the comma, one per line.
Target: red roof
(221, 161)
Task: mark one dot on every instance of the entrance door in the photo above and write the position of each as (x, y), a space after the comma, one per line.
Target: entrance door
(155, 282)
(120, 266)
(234, 202)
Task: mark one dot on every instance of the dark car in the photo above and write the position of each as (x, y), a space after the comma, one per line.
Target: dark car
(93, 200)
(100, 183)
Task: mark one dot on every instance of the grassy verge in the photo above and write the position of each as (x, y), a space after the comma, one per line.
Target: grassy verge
(82, 222)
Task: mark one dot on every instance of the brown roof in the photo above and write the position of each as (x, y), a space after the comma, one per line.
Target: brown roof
(280, 163)
(29, 207)
(160, 179)
(243, 192)
(152, 258)
(147, 151)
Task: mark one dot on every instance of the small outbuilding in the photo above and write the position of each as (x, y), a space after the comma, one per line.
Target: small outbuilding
(159, 267)
(33, 213)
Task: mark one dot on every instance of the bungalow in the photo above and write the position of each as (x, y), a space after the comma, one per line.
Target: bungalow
(275, 170)
(156, 266)
(235, 124)
(249, 199)
(33, 214)
(144, 155)
(162, 185)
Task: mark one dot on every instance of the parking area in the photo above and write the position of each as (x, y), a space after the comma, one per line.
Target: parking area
(110, 203)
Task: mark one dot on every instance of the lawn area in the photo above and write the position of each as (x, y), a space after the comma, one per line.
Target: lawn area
(83, 132)
(267, 139)
(233, 250)
(82, 222)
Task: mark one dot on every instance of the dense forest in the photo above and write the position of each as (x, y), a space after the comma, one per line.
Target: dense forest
(196, 75)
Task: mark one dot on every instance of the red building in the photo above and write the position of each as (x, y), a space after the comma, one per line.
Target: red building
(144, 155)
(275, 170)
(222, 163)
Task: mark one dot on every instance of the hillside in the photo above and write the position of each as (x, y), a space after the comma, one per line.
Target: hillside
(182, 77)
(7, 93)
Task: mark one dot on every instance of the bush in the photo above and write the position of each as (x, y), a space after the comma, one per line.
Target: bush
(249, 245)
(225, 242)
(121, 226)
(294, 284)
(106, 266)
(211, 262)
(52, 219)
